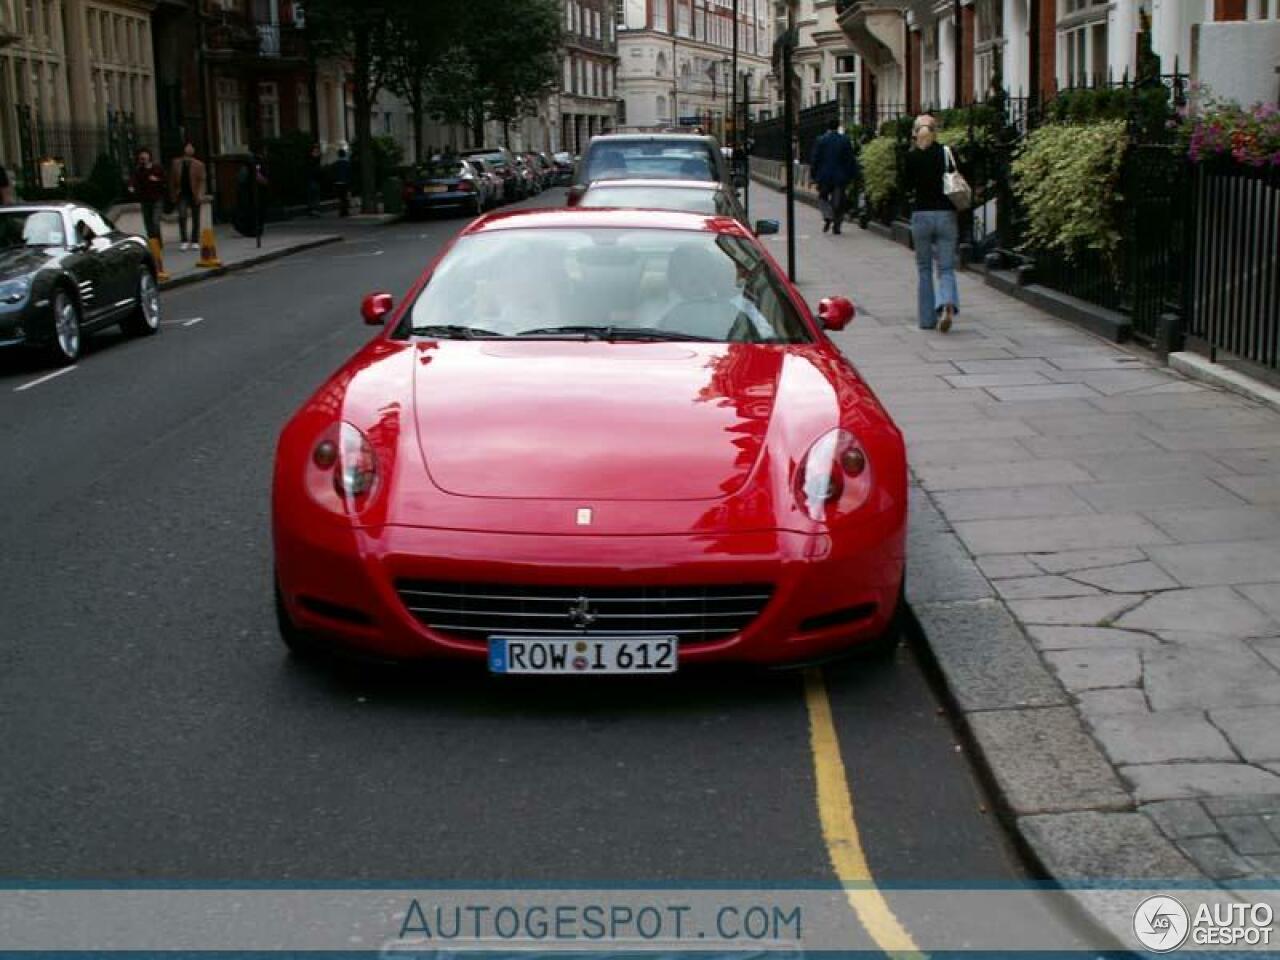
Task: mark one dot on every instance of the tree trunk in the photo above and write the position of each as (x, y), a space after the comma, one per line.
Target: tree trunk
(417, 108)
(477, 128)
(364, 120)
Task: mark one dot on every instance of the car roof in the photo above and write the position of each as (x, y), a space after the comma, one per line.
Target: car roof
(648, 137)
(714, 186)
(606, 217)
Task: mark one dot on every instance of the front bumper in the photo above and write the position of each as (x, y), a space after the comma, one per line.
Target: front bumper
(339, 583)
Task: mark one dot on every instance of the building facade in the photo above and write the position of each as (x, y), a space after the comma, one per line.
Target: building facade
(923, 54)
(587, 101)
(75, 75)
(675, 66)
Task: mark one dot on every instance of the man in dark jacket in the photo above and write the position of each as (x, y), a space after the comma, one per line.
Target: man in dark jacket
(342, 183)
(832, 167)
(147, 184)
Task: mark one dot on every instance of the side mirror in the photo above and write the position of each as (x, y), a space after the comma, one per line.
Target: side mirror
(375, 308)
(765, 228)
(835, 312)
(576, 194)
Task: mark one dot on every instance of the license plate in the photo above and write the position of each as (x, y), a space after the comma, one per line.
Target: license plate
(582, 654)
(434, 188)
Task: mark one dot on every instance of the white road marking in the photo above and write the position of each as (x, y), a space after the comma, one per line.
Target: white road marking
(39, 380)
(192, 322)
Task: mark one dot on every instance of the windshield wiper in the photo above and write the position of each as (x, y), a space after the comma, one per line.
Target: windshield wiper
(611, 332)
(452, 331)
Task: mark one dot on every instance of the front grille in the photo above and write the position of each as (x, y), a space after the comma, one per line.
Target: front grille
(693, 614)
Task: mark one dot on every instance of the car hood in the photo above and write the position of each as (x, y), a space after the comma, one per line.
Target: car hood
(20, 261)
(594, 420)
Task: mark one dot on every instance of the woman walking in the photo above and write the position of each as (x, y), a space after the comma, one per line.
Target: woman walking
(933, 227)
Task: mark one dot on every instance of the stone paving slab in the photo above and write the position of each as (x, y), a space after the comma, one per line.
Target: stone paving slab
(1095, 566)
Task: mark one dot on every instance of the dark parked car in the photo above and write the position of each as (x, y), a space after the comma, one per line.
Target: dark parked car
(649, 156)
(446, 184)
(65, 270)
(502, 163)
(564, 163)
(693, 196)
(497, 192)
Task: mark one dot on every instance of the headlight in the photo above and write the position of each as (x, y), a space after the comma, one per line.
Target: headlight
(834, 477)
(15, 291)
(345, 459)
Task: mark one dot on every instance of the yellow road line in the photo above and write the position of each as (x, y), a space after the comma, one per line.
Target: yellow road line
(840, 829)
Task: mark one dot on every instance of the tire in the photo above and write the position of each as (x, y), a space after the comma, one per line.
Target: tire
(67, 335)
(144, 321)
(477, 207)
(299, 643)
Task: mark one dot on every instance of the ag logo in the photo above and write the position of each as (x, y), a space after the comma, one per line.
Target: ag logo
(1161, 924)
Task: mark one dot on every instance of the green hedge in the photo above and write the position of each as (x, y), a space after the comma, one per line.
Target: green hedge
(1066, 177)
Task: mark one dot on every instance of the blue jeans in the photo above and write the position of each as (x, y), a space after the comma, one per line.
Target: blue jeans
(935, 234)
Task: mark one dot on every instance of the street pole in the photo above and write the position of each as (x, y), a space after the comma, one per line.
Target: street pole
(788, 135)
(675, 76)
(734, 81)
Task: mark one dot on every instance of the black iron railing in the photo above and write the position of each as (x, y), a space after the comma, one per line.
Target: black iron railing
(1231, 303)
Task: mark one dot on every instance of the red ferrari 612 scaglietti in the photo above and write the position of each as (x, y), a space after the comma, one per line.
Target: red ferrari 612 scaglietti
(594, 441)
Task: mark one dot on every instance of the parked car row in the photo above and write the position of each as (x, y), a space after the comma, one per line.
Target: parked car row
(481, 179)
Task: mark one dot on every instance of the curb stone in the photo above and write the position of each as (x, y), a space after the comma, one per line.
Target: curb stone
(198, 274)
(1054, 788)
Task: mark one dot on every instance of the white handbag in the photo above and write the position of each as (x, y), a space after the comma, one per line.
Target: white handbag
(954, 185)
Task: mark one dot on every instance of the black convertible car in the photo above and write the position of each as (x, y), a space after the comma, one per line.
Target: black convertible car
(66, 270)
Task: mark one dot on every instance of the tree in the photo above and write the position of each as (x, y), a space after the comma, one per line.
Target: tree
(357, 30)
(501, 61)
(420, 37)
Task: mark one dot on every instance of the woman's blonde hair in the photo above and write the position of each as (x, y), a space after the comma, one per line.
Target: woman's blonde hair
(924, 120)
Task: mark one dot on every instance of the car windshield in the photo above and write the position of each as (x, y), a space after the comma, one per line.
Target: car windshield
(31, 228)
(441, 170)
(614, 283)
(710, 202)
(653, 160)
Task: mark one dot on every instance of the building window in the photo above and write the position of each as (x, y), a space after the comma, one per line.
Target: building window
(683, 20)
(660, 15)
(304, 107)
(1263, 9)
(568, 75)
(268, 110)
(1085, 49)
(931, 67)
(988, 40)
(595, 24)
(230, 130)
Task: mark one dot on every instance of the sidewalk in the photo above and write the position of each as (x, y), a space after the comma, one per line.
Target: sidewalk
(237, 252)
(1095, 562)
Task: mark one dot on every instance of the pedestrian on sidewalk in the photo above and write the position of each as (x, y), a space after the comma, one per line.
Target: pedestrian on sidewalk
(6, 186)
(147, 184)
(251, 197)
(934, 231)
(832, 166)
(315, 167)
(342, 183)
(186, 190)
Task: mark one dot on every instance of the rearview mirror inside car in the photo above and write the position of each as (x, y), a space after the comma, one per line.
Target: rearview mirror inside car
(375, 308)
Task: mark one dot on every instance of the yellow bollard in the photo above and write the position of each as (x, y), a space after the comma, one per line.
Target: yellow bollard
(157, 254)
(208, 249)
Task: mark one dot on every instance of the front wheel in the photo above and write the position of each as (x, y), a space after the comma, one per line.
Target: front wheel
(65, 345)
(145, 319)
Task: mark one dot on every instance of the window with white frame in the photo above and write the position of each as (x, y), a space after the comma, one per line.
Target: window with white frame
(683, 20)
(230, 111)
(1082, 42)
(659, 16)
(1263, 10)
(988, 39)
(930, 67)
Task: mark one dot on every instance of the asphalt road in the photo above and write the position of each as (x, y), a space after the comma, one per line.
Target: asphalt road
(153, 726)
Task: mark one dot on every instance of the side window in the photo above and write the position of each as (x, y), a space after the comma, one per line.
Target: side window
(87, 225)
